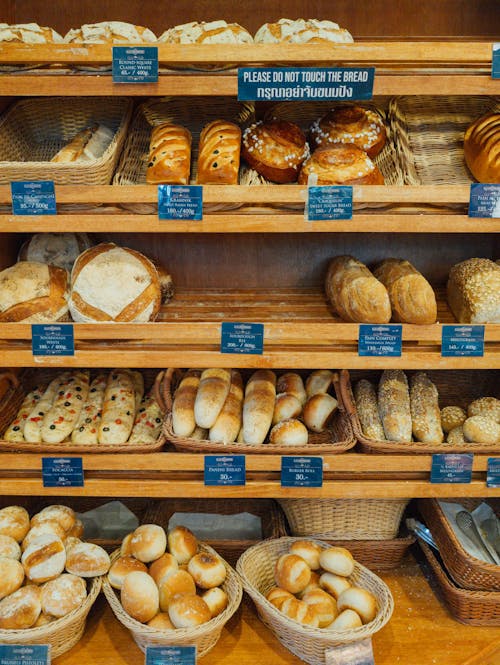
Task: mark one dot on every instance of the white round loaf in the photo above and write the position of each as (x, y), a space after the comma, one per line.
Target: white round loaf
(108, 32)
(213, 32)
(110, 283)
(57, 249)
(28, 33)
(301, 31)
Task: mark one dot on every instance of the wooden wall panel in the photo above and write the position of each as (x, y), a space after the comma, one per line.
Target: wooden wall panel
(7, 11)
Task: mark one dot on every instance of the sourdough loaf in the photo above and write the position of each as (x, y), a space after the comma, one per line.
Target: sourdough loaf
(301, 31)
(211, 32)
(58, 249)
(110, 32)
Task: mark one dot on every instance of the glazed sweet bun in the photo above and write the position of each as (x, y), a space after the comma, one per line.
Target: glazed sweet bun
(308, 551)
(140, 596)
(182, 544)
(148, 542)
(44, 559)
(121, 567)
(62, 514)
(361, 601)
(163, 567)
(346, 620)
(313, 584)
(9, 547)
(301, 612)
(207, 570)
(216, 599)
(11, 576)
(324, 606)
(277, 596)
(63, 595)
(292, 573)
(161, 622)
(340, 164)
(289, 432)
(21, 609)
(337, 560)
(177, 584)
(126, 546)
(14, 522)
(49, 526)
(87, 560)
(188, 611)
(334, 584)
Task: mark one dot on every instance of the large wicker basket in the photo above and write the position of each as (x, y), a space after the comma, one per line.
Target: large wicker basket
(61, 634)
(256, 567)
(203, 637)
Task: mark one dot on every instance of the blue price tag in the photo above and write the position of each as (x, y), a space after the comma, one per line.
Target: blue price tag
(24, 654)
(493, 472)
(272, 84)
(462, 341)
(52, 339)
(225, 470)
(448, 468)
(170, 656)
(242, 338)
(135, 64)
(356, 653)
(484, 200)
(495, 64)
(62, 471)
(329, 202)
(33, 198)
(180, 202)
(380, 340)
(301, 471)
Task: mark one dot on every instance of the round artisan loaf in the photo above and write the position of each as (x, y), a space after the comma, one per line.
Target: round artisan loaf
(58, 513)
(149, 542)
(301, 31)
(11, 576)
(139, 596)
(34, 292)
(207, 570)
(28, 33)
(109, 32)
(485, 406)
(121, 567)
(188, 611)
(14, 522)
(337, 560)
(110, 283)
(481, 429)
(216, 599)
(44, 559)
(21, 609)
(308, 551)
(361, 601)
(350, 124)
(212, 32)
(482, 148)
(292, 573)
(318, 410)
(451, 417)
(87, 560)
(63, 595)
(182, 544)
(9, 547)
(57, 249)
(290, 432)
(340, 164)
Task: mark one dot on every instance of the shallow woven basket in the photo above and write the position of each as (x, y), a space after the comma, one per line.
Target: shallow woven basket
(33, 130)
(61, 634)
(337, 438)
(256, 567)
(467, 571)
(379, 554)
(203, 637)
(455, 389)
(344, 519)
(20, 387)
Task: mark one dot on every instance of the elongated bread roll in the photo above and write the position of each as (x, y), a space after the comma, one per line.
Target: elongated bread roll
(394, 405)
(219, 153)
(148, 422)
(15, 430)
(118, 411)
(318, 381)
(33, 426)
(138, 381)
(183, 422)
(169, 155)
(425, 413)
(62, 417)
(258, 406)
(286, 406)
(367, 409)
(291, 383)
(74, 149)
(86, 429)
(229, 420)
(212, 393)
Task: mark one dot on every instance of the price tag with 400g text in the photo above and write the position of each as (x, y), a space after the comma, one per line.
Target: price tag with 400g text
(225, 470)
(493, 472)
(52, 339)
(135, 64)
(182, 202)
(462, 341)
(329, 202)
(170, 655)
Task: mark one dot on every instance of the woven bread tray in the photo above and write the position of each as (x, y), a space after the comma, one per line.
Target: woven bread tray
(456, 388)
(477, 608)
(336, 439)
(19, 388)
(61, 634)
(344, 519)
(256, 568)
(203, 637)
(378, 554)
(33, 130)
(467, 571)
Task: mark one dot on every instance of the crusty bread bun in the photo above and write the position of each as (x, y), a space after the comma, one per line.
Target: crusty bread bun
(207, 570)
(291, 383)
(361, 601)
(451, 417)
(346, 620)
(334, 584)
(313, 584)
(302, 31)
(148, 543)
(21, 609)
(286, 406)
(48, 526)
(323, 604)
(58, 513)
(290, 432)
(308, 551)
(11, 576)
(179, 583)
(292, 573)
(87, 560)
(9, 547)
(216, 599)
(77, 529)
(337, 560)
(182, 543)
(161, 622)
(318, 381)
(63, 595)
(188, 611)
(121, 567)
(140, 596)
(481, 429)
(318, 410)
(14, 522)
(301, 612)
(126, 546)
(43, 620)
(277, 596)
(44, 559)
(70, 542)
(163, 567)
(485, 406)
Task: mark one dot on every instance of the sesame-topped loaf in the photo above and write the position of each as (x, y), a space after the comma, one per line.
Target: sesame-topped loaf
(474, 291)
(28, 33)
(340, 164)
(212, 32)
(110, 32)
(424, 407)
(302, 31)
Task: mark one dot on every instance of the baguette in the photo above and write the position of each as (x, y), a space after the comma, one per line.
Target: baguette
(86, 429)
(118, 411)
(183, 422)
(394, 405)
(229, 420)
(258, 406)
(212, 392)
(425, 413)
(367, 409)
(33, 427)
(15, 431)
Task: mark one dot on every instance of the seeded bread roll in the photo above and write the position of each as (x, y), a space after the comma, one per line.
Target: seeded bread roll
(286, 406)
(456, 436)
(14, 522)
(183, 422)
(485, 406)
(424, 406)
(291, 383)
(451, 417)
(230, 418)
(367, 410)
(212, 393)
(394, 405)
(473, 291)
(481, 429)
(258, 406)
(290, 432)
(318, 410)
(21, 609)
(318, 381)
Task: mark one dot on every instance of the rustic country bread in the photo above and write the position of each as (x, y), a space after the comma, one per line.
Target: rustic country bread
(485, 406)
(63, 595)
(350, 124)
(183, 422)
(424, 407)
(109, 32)
(211, 32)
(219, 154)
(14, 522)
(482, 148)
(28, 33)
(212, 392)
(230, 418)
(169, 160)
(258, 406)
(58, 249)
(291, 383)
(110, 283)
(340, 164)
(365, 398)
(301, 31)
(473, 291)
(394, 405)
(451, 417)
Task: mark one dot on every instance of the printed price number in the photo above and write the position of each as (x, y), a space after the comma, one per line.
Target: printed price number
(452, 468)
(242, 338)
(224, 470)
(301, 471)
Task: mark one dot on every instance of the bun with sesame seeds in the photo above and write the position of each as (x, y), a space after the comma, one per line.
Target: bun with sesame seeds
(340, 164)
(474, 291)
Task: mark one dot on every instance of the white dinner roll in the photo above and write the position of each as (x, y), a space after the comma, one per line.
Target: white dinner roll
(63, 595)
(163, 567)
(346, 620)
(9, 547)
(70, 542)
(59, 513)
(11, 576)
(14, 522)
(126, 547)
(182, 543)
(318, 410)
(177, 584)
(277, 596)
(324, 605)
(87, 560)
(337, 560)
(207, 570)
(301, 612)
(291, 383)
(188, 611)
(139, 596)
(21, 609)
(44, 559)
(161, 622)
(286, 406)
(49, 526)
(149, 542)
(334, 584)
(216, 599)
(313, 584)
(292, 573)
(361, 601)
(121, 567)
(43, 620)
(289, 432)
(308, 551)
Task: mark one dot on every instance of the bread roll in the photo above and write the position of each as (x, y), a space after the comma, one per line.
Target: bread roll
(74, 148)
(258, 406)
(290, 432)
(451, 417)
(361, 601)
(365, 398)
(48, 526)
(424, 407)
(313, 584)
(57, 249)
(14, 522)
(340, 164)
(182, 544)
(337, 560)
(63, 595)
(179, 583)
(207, 570)
(412, 297)
(183, 422)
(318, 411)
(473, 291)
(230, 418)
(301, 31)
(64, 515)
(300, 612)
(394, 405)
(126, 546)
(308, 551)
(277, 596)
(169, 160)
(87, 560)
(15, 431)
(44, 559)
(11, 576)
(456, 436)
(70, 542)
(318, 381)
(334, 584)
(212, 393)
(33, 426)
(481, 429)
(21, 609)
(355, 294)
(485, 406)
(163, 567)
(188, 611)
(219, 153)
(121, 567)
(346, 620)
(140, 596)
(77, 529)
(292, 573)
(161, 622)
(291, 383)
(216, 599)
(286, 406)
(43, 620)
(61, 418)
(86, 430)
(482, 148)
(118, 408)
(149, 542)
(323, 605)
(9, 547)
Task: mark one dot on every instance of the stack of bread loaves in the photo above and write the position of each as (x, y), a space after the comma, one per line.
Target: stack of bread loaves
(44, 566)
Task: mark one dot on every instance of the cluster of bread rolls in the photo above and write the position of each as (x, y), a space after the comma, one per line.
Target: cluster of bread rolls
(44, 565)
(166, 580)
(214, 404)
(313, 588)
(480, 422)
(473, 291)
(395, 290)
(112, 408)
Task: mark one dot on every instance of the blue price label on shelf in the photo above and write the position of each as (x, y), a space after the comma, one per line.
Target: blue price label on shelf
(242, 338)
(33, 198)
(493, 472)
(462, 341)
(183, 202)
(448, 468)
(329, 202)
(495, 63)
(135, 64)
(484, 200)
(225, 470)
(170, 655)
(357, 653)
(380, 340)
(271, 84)
(301, 471)
(62, 471)
(52, 339)
(24, 654)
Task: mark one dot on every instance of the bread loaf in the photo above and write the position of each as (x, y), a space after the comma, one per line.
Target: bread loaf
(15, 431)
(58, 249)
(258, 406)
(485, 406)
(424, 406)
(74, 149)
(229, 420)
(118, 408)
(219, 154)
(183, 422)
(301, 31)
(212, 393)
(211, 32)
(340, 164)
(61, 418)
(33, 426)
(482, 148)
(169, 160)
(148, 422)
(28, 33)
(291, 383)
(110, 32)
(473, 291)
(86, 430)
(394, 405)
(355, 294)
(367, 410)
(411, 295)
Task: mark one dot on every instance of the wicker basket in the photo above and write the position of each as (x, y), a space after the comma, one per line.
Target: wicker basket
(204, 637)
(377, 554)
(477, 608)
(13, 398)
(256, 567)
(344, 519)
(467, 571)
(61, 634)
(455, 388)
(336, 439)
(33, 130)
